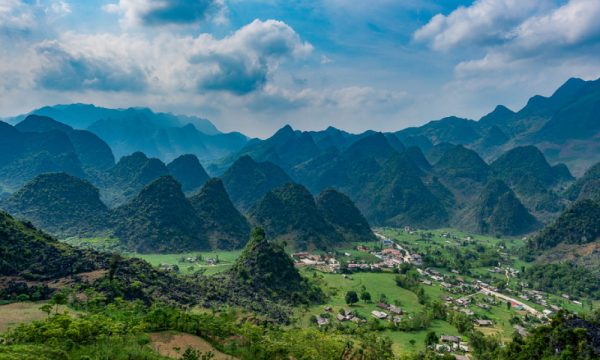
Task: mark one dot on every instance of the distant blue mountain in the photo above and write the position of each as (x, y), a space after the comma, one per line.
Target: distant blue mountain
(161, 135)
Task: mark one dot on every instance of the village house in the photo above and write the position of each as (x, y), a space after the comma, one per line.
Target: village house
(383, 306)
(483, 323)
(468, 312)
(379, 314)
(391, 252)
(395, 310)
(321, 321)
(450, 339)
(445, 285)
(345, 315)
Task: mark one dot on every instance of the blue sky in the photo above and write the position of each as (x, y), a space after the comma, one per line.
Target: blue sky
(255, 65)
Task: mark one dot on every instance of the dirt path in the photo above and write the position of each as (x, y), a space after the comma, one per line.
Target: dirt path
(173, 344)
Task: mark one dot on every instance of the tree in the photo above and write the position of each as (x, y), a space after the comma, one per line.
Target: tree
(47, 308)
(421, 296)
(351, 297)
(59, 298)
(365, 296)
(115, 259)
(383, 298)
(431, 338)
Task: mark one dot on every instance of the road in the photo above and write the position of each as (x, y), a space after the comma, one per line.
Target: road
(526, 307)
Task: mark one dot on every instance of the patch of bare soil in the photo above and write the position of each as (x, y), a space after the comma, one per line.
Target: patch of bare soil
(173, 344)
(22, 312)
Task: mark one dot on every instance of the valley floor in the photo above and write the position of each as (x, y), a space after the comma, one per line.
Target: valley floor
(473, 275)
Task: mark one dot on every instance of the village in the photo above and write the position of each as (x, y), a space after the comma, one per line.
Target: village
(470, 296)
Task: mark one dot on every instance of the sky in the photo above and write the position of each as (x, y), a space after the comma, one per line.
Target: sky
(256, 65)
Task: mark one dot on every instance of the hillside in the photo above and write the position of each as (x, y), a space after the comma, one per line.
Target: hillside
(577, 225)
(222, 223)
(388, 187)
(92, 151)
(587, 186)
(29, 254)
(289, 213)
(528, 161)
(247, 181)
(60, 204)
(459, 162)
(498, 211)
(526, 170)
(159, 219)
(397, 196)
(286, 148)
(188, 171)
(265, 270)
(339, 211)
(129, 176)
(23, 156)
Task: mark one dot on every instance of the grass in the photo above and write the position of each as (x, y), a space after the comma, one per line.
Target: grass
(96, 243)
(377, 284)
(226, 259)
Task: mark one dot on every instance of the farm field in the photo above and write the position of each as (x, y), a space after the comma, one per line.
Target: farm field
(202, 260)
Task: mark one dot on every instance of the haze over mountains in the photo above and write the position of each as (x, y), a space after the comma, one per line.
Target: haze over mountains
(499, 175)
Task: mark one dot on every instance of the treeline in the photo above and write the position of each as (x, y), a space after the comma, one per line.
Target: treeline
(564, 278)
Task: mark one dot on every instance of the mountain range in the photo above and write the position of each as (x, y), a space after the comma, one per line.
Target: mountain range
(496, 175)
(161, 135)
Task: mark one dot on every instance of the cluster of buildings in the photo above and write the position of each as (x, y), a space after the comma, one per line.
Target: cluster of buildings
(388, 312)
(391, 256)
(325, 262)
(451, 343)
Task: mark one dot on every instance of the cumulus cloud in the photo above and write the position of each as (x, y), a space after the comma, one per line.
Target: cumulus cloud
(513, 35)
(166, 12)
(571, 31)
(16, 16)
(66, 70)
(242, 62)
(484, 22)
(239, 64)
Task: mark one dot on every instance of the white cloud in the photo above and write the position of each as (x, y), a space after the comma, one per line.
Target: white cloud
(15, 15)
(484, 22)
(567, 33)
(239, 64)
(242, 62)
